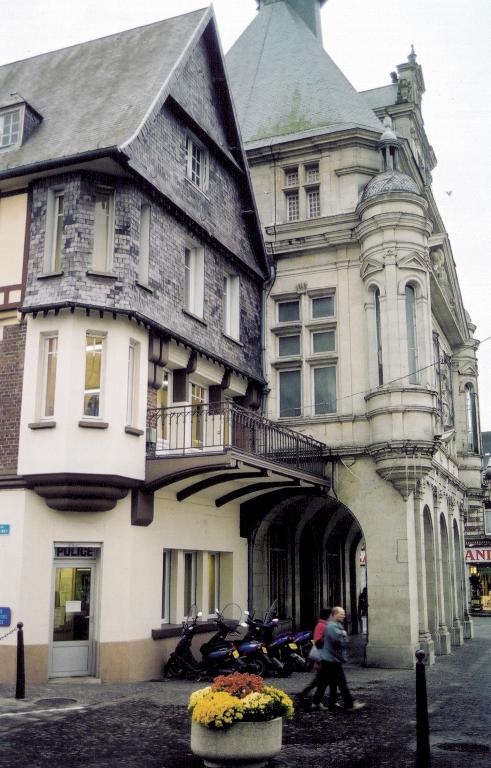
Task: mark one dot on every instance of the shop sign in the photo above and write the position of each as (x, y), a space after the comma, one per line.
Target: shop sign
(478, 556)
(75, 552)
(4, 529)
(479, 542)
(5, 617)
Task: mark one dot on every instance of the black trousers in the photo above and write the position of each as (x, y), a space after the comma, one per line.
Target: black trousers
(332, 673)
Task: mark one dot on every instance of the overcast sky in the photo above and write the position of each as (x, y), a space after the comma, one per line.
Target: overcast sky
(367, 39)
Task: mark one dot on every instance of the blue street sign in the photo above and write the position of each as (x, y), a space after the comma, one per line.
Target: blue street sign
(5, 617)
(4, 529)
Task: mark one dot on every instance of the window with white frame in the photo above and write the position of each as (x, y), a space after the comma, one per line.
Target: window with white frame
(291, 176)
(487, 521)
(323, 341)
(10, 124)
(292, 206)
(199, 396)
(302, 192)
(290, 393)
(289, 345)
(53, 245)
(194, 280)
(322, 307)
(144, 251)
(94, 348)
(324, 385)
(163, 402)
(197, 163)
(132, 386)
(412, 335)
(471, 419)
(231, 305)
(189, 581)
(102, 256)
(213, 582)
(312, 173)
(166, 585)
(313, 203)
(288, 311)
(49, 353)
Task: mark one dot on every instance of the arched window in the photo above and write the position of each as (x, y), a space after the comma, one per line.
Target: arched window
(412, 335)
(378, 331)
(471, 419)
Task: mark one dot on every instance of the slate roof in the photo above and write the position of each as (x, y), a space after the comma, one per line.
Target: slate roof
(95, 95)
(285, 84)
(384, 96)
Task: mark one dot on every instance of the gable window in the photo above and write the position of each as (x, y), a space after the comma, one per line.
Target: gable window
(9, 128)
(322, 307)
(313, 203)
(412, 335)
(324, 389)
(144, 255)
(48, 381)
(290, 393)
(378, 332)
(289, 345)
(94, 345)
(323, 341)
(196, 163)
(103, 231)
(194, 280)
(231, 305)
(54, 231)
(292, 207)
(288, 311)
(471, 419)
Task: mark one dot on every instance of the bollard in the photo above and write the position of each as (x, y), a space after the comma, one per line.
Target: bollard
(423, 758)
(20, 684)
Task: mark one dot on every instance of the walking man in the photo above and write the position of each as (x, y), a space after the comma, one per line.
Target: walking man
(333, 656)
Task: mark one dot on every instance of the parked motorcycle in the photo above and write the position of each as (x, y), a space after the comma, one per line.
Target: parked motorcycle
(253, 655)
(218, 657)
(282, 651)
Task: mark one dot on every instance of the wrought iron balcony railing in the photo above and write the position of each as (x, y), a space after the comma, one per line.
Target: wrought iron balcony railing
(189, 429)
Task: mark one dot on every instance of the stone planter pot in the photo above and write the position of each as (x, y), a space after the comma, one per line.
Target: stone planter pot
(244, 744)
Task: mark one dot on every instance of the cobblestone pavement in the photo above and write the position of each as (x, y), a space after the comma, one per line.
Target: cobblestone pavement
(145, 725)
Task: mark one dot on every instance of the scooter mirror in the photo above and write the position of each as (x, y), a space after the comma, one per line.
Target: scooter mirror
(246, 613)
(243, 624)
(199, 614)
(275, 621)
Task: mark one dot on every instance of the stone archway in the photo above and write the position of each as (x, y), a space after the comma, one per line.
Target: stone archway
(431, 580)
(459, 574)
(446, 572)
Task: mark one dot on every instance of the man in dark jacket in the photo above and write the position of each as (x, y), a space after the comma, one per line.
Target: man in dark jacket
(333, 656)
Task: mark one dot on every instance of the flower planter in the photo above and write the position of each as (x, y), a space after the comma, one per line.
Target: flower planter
(244, 744)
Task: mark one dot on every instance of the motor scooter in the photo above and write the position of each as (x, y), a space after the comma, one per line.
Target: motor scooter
(281, 649)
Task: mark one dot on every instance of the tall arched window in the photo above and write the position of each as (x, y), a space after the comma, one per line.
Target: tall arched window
(378, 331)
(471, 419)
(412, 335)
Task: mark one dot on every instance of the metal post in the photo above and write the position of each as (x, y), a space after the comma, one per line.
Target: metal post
(20, 684)
(423, 757)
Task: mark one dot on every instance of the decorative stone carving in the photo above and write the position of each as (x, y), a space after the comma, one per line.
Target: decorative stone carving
(404, 91)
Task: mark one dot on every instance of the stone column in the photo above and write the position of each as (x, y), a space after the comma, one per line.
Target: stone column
(468, 624)
(457, 630)
(426, 642)
(443, 639)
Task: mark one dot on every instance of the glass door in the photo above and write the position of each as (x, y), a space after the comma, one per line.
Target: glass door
(71, 647)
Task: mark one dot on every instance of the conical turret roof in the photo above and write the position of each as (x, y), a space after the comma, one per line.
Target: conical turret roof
(285, 84)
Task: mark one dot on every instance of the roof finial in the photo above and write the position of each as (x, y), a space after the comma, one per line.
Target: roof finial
(412, 56)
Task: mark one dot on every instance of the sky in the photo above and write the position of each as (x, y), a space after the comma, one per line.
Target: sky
(366, 39)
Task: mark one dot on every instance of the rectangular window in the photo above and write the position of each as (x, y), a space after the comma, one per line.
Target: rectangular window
(288, 311)
(231, 305)
(49, 352)
(312, 173)
(54, 231)
(9, 128)
(213, 582)
(198, 400)
(290, 393)
(323, 341)
(166, 585)
(292, 207)
(93, 374)
(163, 416)
(196, 163)
(313, 203)
(289, 345)
(323, 307)
(144, 255)
(103, 231)
(291, 177)
(132, 389)
(194, 280)
(487, 521)
(189, 582)
(324, 390)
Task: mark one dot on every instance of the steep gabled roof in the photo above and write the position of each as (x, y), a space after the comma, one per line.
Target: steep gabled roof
(285, 84)
(95, 95)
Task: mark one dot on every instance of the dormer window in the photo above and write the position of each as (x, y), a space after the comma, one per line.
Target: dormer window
(10, 128)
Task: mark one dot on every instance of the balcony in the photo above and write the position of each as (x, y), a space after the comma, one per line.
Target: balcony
(192, 430)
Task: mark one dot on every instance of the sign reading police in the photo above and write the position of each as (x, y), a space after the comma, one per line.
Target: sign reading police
(75, 552)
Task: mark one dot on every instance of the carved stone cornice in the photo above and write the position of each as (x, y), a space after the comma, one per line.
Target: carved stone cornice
(404, 463)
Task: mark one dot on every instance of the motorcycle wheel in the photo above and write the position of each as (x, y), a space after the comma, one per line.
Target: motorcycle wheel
(257, 666)
(174, 668)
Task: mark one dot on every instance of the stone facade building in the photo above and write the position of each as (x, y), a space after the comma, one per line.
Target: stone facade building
(131, 371)
(369, 347)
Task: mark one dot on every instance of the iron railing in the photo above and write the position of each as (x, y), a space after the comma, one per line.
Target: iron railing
(188, 429)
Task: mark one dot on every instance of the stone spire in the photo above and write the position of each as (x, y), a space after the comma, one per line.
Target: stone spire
(308, 10)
